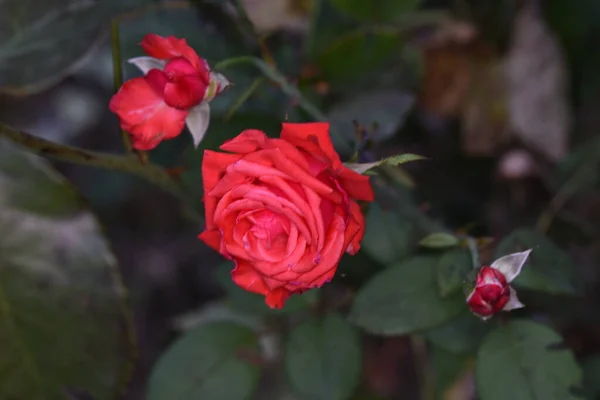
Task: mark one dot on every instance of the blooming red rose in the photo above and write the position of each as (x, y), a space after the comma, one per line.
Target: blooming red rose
(492, 292)
(175, 90)
(283, 209)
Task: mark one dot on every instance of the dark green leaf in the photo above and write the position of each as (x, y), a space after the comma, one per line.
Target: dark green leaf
(461, 335)
(388, 236)
(452, 270)
(548, 268)
(42, 42)
(385, 108)
(323, 358)
(439, 240)
(60, 323)
(404, 299)
(591, 377)
(243, 300)
(207, 363)
(516, 361)
(383, 10)
(358, 54)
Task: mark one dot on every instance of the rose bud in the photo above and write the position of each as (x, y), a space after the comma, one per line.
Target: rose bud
(492, 292)
(283, 209)
(174, 91)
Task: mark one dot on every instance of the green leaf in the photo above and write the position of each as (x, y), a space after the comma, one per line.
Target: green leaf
(356, 55)
(439, 240)
(387, 109)
(447, 369)
(253, 303)
(43, 42)
(396, 160)
(463, 334)
(591, 377)
(207, 363)
(452, 270)
(518, 361)
(383, 10)
(60, 319)
(388, 236)
(548, 268)
(323, 358)
(404, 299)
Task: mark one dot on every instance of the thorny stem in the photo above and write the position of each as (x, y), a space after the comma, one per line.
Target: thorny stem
(286, 87)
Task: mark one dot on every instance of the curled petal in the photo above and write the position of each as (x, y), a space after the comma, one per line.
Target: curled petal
(172, 47)
(246, 142)
(356, 185)
(245, 276)
(312, 137)
(144, 114)
(186, 93)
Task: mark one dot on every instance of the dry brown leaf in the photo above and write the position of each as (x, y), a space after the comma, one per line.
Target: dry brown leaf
(537, 85)
(463, 79)
(272, 15)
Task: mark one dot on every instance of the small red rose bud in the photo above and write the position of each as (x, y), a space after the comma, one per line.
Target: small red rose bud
(491, 292)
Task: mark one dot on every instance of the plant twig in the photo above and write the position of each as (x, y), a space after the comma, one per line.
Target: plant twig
(563, 195)
(126, 163)
(118, 72)
(419, 348)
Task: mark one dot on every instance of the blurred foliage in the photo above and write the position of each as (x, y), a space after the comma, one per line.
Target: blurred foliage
(61, 323)
(521, 360)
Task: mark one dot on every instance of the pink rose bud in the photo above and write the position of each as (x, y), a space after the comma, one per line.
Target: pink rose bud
(492, 292)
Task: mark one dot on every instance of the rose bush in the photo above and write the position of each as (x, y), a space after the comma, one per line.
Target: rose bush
(174, 91)
(285, 210)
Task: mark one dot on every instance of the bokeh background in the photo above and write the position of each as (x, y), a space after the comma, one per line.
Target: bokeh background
(502, 96)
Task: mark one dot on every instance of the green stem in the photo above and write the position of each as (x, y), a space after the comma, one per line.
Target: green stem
(118, 72)
(126, 163)
(289, 89)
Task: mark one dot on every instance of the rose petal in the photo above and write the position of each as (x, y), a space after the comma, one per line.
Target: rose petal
(246, 142)
(356, 185)
(276, 298)
(355, 230)
(186, 93)
(248, 278)
(510, 265)
(144, 114)
(171, 47)
(214, 165)
(305, 132)
(212, 239)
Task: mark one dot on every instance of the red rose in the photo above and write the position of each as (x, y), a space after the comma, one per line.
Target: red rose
(283, 209)
(492, 292)
(175, 89)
